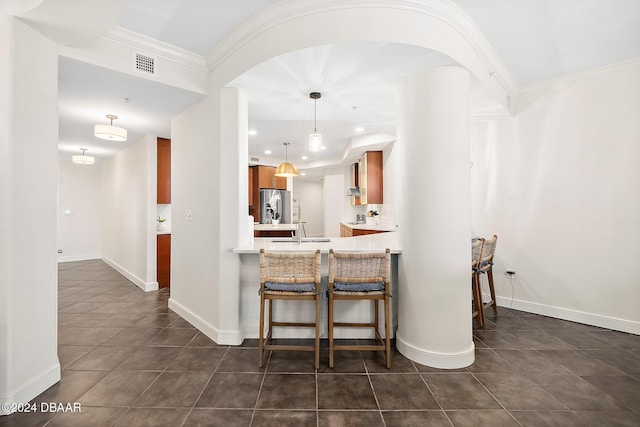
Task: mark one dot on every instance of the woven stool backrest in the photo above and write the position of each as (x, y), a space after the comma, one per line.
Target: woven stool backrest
(290, 267)
(360, 266)
(476, 252)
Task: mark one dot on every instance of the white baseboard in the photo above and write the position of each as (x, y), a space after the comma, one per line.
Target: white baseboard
(436, 359)
(72, 258)
(31, 389)
(220, 337)
(592, 319)
(145, 286)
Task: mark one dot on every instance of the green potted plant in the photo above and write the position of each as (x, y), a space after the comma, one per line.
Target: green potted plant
(161, 223)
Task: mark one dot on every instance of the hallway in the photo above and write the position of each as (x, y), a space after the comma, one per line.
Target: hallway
(130, 361)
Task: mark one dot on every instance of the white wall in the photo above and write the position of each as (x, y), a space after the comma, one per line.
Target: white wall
(311, 197)
(129, 181)
(560, 186)
(28, 176)
(334, 200)
(79, 213)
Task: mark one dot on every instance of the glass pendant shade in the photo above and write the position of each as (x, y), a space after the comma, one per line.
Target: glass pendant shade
(110, 132)
(82, 159)
(315, 142)
(315, 139)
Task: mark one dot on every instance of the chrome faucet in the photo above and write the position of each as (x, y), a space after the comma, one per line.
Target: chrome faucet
(299, 229)
(298, 233)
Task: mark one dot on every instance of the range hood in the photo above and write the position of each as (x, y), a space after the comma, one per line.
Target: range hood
(354, 192)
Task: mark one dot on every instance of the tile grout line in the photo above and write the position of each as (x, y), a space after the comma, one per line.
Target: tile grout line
(206, 384)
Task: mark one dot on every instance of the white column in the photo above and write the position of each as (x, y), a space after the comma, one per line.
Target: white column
(434, 295)
(234, 230)
(28, 179)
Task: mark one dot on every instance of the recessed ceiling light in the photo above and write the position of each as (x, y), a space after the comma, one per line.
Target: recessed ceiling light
(267, 151)
(303, 173)
(359, 129)
(304, 157)
(252, 132)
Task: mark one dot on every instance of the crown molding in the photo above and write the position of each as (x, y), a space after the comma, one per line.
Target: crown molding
(164, 50)
(444, 11)
(567, 80)
(536, 90)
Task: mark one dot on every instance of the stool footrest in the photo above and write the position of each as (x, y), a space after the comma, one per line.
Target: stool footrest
(289, 347)
(359, 347)
(294, 324)
(354, 325)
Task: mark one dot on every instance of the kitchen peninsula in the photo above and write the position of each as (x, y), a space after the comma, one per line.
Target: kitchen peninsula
(357, 312)
(274, 230)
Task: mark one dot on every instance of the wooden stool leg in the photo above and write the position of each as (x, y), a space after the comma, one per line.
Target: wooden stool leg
(492, 290)
(479, 303)
(330, 329)
(387, 329)
(377, 318)
(261, 337)
(317, 350)
(477, 299)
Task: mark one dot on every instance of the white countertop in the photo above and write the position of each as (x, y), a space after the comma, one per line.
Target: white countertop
(371, 242)
(274, 227)
(368, 227)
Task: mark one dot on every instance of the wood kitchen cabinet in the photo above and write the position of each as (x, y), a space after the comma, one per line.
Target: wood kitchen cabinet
(163, 260)
(267, 178)
(262, 177)
(346, 231)
(371, 178)
(355, 182)
(164, 171)
(251, 189)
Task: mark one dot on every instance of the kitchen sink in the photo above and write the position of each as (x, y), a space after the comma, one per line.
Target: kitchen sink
(305, 240)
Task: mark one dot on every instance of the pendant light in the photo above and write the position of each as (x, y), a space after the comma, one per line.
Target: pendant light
(315, 139)
(82, 159)
(110, 132)
(286, 169)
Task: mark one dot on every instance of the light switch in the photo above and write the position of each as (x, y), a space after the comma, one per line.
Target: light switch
(188, 215)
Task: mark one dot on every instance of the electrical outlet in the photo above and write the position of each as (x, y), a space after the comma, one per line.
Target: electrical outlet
(510, 272)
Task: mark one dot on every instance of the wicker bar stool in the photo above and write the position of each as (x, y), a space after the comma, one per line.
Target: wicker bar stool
(289, 276)
(360, 276)
(485, 267)
(476, 253)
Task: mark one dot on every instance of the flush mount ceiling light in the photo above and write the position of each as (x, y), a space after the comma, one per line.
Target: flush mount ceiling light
(110, 132)
(286, 169)
(82, 159)
(315, 139)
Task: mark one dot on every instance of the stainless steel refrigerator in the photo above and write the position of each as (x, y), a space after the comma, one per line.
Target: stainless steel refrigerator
(275, 207)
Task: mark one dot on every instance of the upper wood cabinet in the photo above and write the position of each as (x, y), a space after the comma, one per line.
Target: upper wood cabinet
(355, 178)
(267, 178)
(164, 171)
(371, 178)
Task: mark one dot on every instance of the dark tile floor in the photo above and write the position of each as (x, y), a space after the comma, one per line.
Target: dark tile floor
(130, 361)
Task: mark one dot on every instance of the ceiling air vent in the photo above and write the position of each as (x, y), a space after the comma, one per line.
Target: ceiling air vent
(144, 64)
(255, 160)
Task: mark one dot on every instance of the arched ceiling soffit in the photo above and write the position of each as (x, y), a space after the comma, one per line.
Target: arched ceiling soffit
(68, 22)
(438, 25)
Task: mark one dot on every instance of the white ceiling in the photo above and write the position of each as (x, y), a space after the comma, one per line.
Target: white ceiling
(537, 40)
